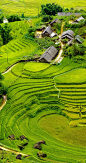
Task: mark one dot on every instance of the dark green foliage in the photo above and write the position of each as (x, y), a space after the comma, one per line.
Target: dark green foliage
(47, 18)
(5, 33)
(13, 18)
(50, 9)
(22, 15)
(67, 9)
(45, 42)
(1, 41)
(31, 32)
(75, 49)
(3, 89)
(1, 18)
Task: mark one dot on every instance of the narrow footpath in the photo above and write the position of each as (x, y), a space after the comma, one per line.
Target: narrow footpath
(59, 57)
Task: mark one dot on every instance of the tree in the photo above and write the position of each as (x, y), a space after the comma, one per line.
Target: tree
(50, 9)
(1, 18)
(5, 33)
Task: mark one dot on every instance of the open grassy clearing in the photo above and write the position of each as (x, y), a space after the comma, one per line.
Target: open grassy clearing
(32, 8)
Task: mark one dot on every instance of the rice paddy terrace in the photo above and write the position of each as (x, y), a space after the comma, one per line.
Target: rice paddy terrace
(46, 102)
(32, 7)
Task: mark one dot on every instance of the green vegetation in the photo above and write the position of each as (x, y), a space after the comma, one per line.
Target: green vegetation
(36, 67)
(44, 101)
(32, 8)
(50, 9)
(76, 76)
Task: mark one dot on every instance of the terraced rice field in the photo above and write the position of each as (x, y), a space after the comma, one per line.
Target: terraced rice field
(32, 8)
(43, 106)
(16, 50)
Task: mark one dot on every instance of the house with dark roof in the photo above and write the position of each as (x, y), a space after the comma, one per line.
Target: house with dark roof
(67, 34)
(49, 32)
(78, 20)
(55, 21)
(79, 39)
(49, 54)
(68, 14)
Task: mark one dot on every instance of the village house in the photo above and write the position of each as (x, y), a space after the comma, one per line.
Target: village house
(78, 20)
(49, 54)
(67, 34)
(79, 39)
(49, 32)
(55, 21)
(68, 14)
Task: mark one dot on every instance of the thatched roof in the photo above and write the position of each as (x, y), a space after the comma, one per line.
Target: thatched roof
(53, 34)
(55, 21)
(70, 42)
(68, 14)
(48, 30)
(69, 34)
(78, 20)
(79, 39)
(49, 54)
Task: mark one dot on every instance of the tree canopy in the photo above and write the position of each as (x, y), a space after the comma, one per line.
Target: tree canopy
(5, 33)
(50, 9)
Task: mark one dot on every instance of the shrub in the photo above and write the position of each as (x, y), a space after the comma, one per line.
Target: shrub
(13, 18)
(46, 18)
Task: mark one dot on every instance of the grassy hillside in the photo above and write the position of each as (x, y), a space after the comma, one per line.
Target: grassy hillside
(33, 7)
(44, 101)
(33, 107)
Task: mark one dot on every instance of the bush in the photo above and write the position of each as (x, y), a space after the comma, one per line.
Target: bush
(1, 18)
(13, 18)
(46, 18)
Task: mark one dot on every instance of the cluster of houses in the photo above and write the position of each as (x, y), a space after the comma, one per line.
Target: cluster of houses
(51, 52)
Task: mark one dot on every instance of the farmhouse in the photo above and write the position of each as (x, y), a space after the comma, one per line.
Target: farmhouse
(79, 39)
(49, 32)
(67, 34)
(55, 21)
(70, 42)
(68, 14)
(78, 20)
(49, 54)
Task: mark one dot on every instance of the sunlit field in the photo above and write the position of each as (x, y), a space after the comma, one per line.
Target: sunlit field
(32, 8)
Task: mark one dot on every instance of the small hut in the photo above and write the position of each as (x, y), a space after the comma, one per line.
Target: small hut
(78, 20)
(67, 34)
(49, 54)
(55, 21)
(49, 32)
(79, 39)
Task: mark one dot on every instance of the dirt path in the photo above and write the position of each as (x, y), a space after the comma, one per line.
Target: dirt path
(59, 57)
(9, 69)
(12, 151)
(4, 99)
